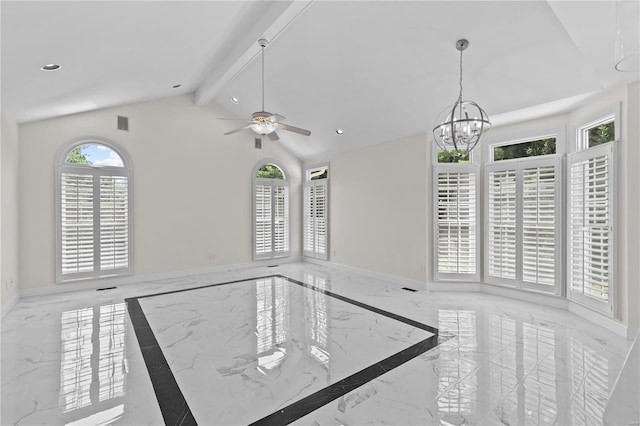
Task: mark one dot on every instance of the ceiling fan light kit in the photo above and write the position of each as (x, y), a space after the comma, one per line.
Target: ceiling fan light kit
(264, 123)
(458, 128)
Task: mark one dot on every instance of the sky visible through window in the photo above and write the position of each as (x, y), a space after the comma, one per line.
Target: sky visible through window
(95, 154)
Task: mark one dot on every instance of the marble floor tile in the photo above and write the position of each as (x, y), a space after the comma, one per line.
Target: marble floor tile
(241, 351)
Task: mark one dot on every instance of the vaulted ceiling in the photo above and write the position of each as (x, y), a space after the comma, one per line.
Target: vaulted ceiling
(379, 70)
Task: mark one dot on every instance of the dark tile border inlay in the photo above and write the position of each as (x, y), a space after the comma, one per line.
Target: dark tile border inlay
(174, 407)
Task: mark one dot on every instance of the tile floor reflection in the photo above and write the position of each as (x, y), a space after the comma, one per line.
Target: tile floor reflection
(74, 358)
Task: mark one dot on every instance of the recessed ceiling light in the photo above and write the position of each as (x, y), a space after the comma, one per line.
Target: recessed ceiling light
(177, 86)
(50, 67)
(340, 132)
(235, 100)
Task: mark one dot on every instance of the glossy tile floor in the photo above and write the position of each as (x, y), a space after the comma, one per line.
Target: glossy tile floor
(342, 350)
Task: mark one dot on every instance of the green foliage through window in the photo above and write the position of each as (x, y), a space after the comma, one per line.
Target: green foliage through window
(77, 157)
(525, 149)
(602, 133)
(318, 174)
(444, 157)
(270, 171)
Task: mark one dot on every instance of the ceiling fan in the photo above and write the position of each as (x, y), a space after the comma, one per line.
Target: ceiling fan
(262, 122)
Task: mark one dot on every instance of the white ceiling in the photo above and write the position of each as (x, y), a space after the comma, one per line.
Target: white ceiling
(380, 70)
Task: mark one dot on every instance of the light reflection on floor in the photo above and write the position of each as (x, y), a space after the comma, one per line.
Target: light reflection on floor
(73, 359)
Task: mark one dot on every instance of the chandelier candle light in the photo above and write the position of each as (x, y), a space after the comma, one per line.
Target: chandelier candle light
(458, 128)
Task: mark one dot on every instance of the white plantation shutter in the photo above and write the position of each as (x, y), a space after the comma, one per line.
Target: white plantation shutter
(114, 222)
(523, 240)
(94, 222)
(456, 222)
(281, 220)
(539, 235)
(263, 219)
(591, 219)
(308, 219)
(315, 212)
(500, 255)
(76, 233)
(271, 218)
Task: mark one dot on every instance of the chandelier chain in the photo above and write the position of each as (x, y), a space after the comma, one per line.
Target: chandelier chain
(460, 96)
(262, 78)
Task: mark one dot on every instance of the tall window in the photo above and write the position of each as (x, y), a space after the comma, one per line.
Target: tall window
(270, 212)
(93, 197)
(315, 212)
(591, 226)
(456, 221)
(522, 216)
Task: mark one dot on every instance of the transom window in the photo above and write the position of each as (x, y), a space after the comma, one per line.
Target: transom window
(270, 212)
(93, 226)
(524, 149)
(599, 133)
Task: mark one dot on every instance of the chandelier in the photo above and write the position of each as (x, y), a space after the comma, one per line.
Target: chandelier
(458, 128)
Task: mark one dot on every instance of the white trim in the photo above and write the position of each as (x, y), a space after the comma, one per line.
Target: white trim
(402, 281)
(91, 284)
(6, 307)
(526, 295)
(444, 286)
(602, 115)
(600, 318)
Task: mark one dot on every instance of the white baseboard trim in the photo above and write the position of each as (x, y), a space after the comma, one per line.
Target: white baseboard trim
(527, 296)
(610, 324)
(137, 279)
(454, 286)
(6, 307)
(402, 281)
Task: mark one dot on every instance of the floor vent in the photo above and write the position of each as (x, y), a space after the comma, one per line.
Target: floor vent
(409, 289)
(105, 288)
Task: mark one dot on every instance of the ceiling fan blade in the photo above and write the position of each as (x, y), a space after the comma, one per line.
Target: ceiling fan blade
(294, 129)
(238, 129)
(273, 136)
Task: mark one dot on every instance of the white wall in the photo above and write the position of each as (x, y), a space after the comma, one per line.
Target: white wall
(8, 212)
(191, 186)
(378, 209)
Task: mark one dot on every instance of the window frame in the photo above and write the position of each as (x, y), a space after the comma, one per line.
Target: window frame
(491, 159)
(272, 184)
(519, 165)
(95, 172)
(605, 115)
(308, 183)
(611, 306)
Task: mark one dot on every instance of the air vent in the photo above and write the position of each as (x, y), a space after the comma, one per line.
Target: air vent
(412, 290)
(123, 123)
(106, 288)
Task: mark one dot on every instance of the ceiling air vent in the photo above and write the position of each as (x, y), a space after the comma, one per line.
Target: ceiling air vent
(123, 123)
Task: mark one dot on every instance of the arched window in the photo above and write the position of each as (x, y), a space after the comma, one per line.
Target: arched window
(270, 211)
(93, 211)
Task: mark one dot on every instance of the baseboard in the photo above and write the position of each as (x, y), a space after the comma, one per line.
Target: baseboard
(600, 319)
(453, 286)
(527, 296)
(137, 279)
(402, 281)
(6, 307)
